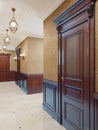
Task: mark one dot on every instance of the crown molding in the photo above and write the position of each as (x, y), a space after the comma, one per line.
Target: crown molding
(49, 10)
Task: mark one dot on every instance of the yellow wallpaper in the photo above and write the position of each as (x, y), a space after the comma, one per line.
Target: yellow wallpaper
(35, 59)
(96, 46)
(32, 48)
(51, 43)
(13, 63)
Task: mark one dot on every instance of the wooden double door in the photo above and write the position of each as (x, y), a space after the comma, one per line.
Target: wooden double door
(76, 66)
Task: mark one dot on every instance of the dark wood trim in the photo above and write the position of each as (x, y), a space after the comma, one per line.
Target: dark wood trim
(5, 54)
(18, 51)
(59, 75)
(67, 15)
(92, 69)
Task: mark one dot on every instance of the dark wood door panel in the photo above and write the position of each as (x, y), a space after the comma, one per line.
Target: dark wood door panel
(73, 66)
(75, 71)
(73, 51)
(73, 92)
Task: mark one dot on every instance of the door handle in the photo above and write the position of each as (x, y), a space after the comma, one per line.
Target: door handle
(62, 79)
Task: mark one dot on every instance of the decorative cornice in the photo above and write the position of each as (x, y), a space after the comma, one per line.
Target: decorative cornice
(90, 10)
(50, 9)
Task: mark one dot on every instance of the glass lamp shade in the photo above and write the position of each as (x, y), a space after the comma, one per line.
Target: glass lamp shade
(13, 25)
(4, 47)
(7, 40)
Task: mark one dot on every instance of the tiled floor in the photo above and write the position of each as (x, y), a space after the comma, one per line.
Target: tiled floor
(19, 111)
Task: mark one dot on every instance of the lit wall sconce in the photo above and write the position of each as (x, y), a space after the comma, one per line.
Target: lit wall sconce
(22, 56)
(15, 58)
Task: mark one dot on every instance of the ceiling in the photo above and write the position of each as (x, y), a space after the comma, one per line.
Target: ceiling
(29, 15)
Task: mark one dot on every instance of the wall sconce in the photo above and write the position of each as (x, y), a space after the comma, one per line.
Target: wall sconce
(22, 56)
(15, 58)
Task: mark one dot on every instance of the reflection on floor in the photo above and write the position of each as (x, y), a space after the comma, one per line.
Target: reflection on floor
(21, 111)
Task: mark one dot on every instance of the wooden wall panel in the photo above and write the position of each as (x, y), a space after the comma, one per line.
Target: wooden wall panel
(35, 83)
(50, 98)
(30, 83)
(11, 76)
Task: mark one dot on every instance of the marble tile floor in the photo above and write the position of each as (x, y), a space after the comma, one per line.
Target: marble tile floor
(19, 111)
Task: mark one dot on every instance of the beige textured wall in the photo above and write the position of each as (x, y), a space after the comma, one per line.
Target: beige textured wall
(96, 46)
(51, 43)
(32, 48)
(35, 59)
(13, 63)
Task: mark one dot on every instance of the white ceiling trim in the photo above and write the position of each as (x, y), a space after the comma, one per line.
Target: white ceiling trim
(27, 35)
(50, 9)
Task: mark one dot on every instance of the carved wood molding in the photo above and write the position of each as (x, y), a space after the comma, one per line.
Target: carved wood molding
(59, 29)
(90, 11)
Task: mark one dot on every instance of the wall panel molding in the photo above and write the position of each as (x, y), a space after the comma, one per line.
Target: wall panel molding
(50, 98)
(31, 83)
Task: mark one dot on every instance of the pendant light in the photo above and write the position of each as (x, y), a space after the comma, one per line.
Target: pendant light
(3, 47)
(13, 25)
(7, 38)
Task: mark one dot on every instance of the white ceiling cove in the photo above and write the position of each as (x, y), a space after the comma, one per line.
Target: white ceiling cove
(29, 15)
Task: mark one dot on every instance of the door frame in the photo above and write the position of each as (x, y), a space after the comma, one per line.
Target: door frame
(79, 6)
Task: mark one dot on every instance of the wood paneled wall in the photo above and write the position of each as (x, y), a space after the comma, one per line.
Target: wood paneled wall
(31, 83)
(11, 76)
(50, 98)
(35, 83)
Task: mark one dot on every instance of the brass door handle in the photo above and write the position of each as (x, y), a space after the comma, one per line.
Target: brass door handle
(62, 79)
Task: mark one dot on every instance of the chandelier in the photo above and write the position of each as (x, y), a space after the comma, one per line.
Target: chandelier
(13, 25)
(7, 38)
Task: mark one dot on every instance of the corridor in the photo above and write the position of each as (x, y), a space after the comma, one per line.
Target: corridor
(21, 111)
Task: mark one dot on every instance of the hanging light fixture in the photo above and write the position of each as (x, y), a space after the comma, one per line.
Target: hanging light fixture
(3, 47)
(13, 25)
(7, 38)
